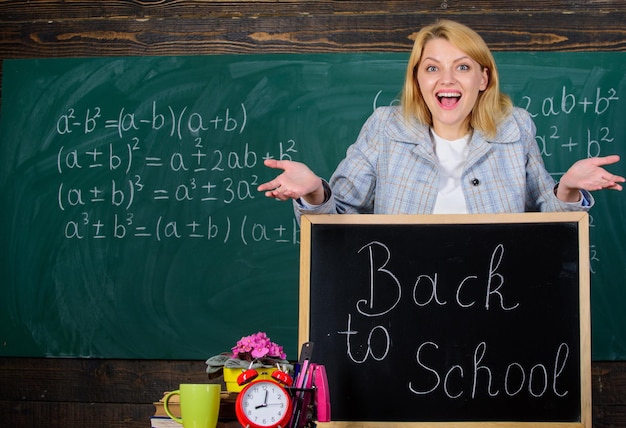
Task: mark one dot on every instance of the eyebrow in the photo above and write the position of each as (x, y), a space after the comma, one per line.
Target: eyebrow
(456, 60)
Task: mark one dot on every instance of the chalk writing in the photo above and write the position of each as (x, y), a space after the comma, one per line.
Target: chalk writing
(540, 379)
(203, 170)
(428, 285)
(568, 102)
(168, 119)
(377, 343)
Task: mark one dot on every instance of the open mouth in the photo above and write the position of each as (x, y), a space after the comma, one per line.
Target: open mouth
(448, 99)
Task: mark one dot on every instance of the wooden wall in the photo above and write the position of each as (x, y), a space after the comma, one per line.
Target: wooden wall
(91, 393)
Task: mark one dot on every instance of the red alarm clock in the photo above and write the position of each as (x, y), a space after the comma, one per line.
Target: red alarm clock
(263, 403)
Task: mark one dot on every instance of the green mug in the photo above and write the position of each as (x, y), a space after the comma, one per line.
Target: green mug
(199, 405)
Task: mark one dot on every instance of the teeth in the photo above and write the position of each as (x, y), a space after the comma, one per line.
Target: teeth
(449, 95)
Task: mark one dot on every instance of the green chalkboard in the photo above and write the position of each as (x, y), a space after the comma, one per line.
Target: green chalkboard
(130, 224)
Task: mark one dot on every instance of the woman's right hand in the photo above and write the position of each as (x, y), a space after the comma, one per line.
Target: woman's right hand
(296, 181)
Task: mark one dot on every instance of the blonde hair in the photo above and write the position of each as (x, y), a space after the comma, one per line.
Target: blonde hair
(491, 105)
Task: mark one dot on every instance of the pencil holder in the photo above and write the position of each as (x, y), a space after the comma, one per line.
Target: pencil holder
(303, 409)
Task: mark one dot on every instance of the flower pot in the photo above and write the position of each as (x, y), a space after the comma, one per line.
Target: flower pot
(231, 374)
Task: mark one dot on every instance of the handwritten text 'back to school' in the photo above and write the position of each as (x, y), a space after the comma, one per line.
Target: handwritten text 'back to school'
(368, 339)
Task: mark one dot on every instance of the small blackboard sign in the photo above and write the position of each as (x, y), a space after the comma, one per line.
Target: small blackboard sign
(450, 319)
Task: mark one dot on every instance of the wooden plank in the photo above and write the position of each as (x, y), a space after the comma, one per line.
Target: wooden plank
(305, 32)
(95, 380)
(608, 383)
(111, 393)
(609, 417)
(59, 9)
(116, 9)
(66, 415)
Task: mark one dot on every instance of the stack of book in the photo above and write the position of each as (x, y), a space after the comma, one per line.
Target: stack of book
(227, 418)
(160, 418)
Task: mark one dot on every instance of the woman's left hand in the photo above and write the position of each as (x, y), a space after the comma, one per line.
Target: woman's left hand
(588, 174)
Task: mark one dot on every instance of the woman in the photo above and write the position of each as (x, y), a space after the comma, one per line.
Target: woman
(456, 145)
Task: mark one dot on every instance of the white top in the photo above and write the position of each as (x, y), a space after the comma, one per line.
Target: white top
(452, 156)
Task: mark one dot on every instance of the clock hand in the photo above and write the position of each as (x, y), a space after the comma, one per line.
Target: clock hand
(264, 401)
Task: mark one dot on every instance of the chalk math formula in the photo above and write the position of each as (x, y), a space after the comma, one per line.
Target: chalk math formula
(202, 163)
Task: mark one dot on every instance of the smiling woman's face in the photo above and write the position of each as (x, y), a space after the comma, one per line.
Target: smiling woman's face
(450, 82)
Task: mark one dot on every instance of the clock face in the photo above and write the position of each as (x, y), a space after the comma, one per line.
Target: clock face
(263, 404)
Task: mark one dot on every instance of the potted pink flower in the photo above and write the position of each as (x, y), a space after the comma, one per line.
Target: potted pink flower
(255, 351)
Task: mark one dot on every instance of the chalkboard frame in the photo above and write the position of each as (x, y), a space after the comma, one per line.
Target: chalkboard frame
(579, 219)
